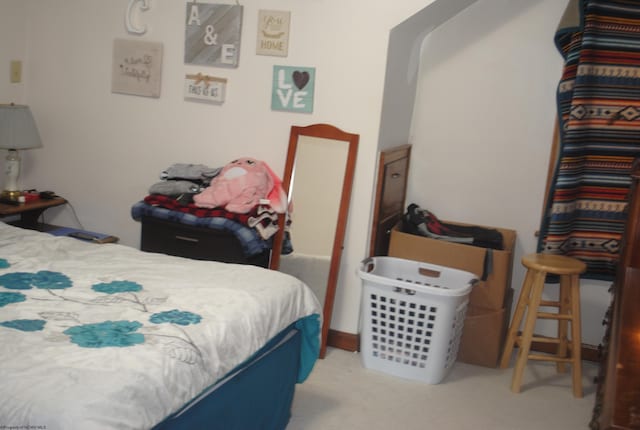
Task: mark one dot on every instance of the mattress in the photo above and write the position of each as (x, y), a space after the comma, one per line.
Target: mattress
(109, 337)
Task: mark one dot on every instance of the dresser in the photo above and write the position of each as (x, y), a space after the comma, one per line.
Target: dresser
(618, 396)
(198, 243)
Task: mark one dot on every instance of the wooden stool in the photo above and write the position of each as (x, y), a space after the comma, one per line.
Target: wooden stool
(569, 270)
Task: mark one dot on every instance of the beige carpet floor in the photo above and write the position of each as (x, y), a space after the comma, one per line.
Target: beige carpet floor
(341, 394)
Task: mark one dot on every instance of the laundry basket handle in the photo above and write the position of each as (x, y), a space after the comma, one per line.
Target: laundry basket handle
(429, 272)
(368, 264)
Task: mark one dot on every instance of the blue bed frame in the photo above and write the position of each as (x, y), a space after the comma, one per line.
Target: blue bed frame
(256, 395)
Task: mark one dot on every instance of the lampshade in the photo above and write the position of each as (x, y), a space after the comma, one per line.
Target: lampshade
(17, 131)
(17, 128)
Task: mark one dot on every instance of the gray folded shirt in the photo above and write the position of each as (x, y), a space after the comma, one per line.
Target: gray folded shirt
(190, 171)
(175, 188)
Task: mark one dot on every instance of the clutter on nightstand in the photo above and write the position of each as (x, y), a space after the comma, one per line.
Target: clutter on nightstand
(88, 236)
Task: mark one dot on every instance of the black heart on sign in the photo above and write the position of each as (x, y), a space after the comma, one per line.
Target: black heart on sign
(300, 79)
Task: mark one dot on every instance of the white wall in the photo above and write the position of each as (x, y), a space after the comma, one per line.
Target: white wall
(102, 150)
(403, 62)
(483, 127)
(13, 42)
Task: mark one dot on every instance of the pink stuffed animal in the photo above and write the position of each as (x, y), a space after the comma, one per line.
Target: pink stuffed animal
(241, 185)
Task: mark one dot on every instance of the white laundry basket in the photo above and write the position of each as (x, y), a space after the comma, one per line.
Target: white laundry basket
(412, 317)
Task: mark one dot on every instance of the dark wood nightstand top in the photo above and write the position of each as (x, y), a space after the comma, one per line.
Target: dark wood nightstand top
(35, 205)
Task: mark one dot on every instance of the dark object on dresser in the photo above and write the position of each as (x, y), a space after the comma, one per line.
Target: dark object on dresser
(618, 397)
(198, 243)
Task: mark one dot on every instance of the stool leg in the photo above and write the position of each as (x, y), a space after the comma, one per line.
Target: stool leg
(576, 336)
(563, 324)
(527, 331)
(523, 301)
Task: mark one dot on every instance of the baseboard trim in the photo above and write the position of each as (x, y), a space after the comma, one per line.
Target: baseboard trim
(343, 340)
(351, 342)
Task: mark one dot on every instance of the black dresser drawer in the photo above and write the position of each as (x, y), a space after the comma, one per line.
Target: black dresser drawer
(173, 238)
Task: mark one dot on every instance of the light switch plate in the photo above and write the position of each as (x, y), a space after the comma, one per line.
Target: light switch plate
(16, 72)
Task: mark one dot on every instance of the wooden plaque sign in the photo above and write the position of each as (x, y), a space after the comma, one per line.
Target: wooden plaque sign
(212, 34)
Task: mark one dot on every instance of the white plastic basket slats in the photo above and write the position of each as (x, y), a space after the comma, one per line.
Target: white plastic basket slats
(412, 328)
(418, 276)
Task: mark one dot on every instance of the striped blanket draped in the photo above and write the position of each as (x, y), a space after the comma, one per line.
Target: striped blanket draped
(598, 101)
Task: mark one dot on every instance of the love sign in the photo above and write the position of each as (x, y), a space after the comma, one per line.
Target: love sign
(293, 88)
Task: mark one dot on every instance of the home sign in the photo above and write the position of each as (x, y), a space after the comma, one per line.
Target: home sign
(273, 33)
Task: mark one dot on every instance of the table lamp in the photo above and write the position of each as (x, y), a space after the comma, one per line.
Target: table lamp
(17, 131)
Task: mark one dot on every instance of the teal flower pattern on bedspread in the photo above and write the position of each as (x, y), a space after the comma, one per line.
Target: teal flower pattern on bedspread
(115, 287)
(4, 264)
(43, 279)
(51, 280)
(121, 294)
(16, 280)
(176, 317)
(24, 325)
(105, 334)
(8, 298)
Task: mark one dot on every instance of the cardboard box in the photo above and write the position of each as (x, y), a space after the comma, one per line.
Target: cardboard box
(489, 294)
(483, 334)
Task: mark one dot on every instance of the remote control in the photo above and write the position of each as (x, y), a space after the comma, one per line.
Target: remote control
(10, 202)
(82, 236)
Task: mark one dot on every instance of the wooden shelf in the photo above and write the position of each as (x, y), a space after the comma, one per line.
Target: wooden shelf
(29, 212)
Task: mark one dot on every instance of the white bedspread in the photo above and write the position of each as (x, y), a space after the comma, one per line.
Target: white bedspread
(108, 337)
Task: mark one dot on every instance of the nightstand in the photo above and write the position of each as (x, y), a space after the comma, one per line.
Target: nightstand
(29, 212)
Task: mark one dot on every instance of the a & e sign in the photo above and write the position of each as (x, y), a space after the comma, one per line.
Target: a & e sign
(212, 34)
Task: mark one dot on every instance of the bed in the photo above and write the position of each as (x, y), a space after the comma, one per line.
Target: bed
(110, 337)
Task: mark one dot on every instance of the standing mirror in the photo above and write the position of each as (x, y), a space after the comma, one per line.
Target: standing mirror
(318, 177)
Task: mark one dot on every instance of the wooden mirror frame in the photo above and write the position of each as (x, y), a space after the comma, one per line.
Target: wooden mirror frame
(329, 132)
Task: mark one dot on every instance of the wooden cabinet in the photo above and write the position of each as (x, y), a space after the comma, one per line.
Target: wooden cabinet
(390, 195)
(198, 243)
(618, 397)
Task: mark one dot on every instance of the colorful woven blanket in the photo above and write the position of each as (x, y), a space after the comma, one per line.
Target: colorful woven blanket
(598, 100)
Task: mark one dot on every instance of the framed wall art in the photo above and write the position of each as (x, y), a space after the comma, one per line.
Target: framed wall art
(273, 33)
(137, 67)
(293, 88)
(212, 34)
(205, 88)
